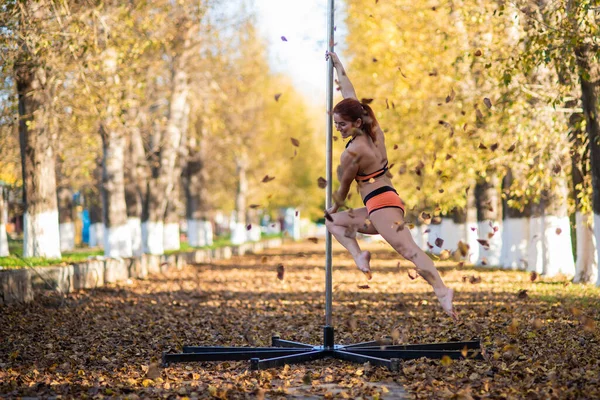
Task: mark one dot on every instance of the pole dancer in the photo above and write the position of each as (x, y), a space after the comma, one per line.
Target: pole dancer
(365, 160)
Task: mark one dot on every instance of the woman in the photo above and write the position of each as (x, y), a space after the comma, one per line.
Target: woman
(365, 160)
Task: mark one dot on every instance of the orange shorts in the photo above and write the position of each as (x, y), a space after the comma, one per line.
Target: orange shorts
(384, 197)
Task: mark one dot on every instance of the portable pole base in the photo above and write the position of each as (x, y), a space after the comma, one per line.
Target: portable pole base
(282, 352)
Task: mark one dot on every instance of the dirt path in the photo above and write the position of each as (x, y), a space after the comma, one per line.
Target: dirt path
(108, 342)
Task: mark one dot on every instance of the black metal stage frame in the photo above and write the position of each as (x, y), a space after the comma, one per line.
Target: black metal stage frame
(380, 352)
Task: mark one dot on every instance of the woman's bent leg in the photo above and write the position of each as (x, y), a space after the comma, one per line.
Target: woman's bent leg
(387, 221)
(344, 227)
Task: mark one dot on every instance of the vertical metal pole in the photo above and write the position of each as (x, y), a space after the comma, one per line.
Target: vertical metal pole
(329, 93)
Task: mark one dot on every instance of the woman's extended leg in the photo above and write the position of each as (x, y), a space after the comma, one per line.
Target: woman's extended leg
(344, 227)
(387, 221)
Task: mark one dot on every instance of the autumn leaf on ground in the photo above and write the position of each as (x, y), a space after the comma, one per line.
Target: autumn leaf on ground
(513, 327)
(153, 371)
(280, 271)
(402, 73)
(277, 96)
(295, 142)
(322, 182)
(267, 178)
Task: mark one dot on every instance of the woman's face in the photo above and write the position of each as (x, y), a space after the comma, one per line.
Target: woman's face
(344, 126)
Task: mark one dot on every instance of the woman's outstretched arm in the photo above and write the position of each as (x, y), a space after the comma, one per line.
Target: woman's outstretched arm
(346, 86)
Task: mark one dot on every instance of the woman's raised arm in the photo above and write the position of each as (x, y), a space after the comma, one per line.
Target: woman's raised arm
(346, 86)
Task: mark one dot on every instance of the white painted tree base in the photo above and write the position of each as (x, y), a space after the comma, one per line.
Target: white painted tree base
(200, 233)
(135, 233)
(586, 266)
(597, 237)
(471, 235)
(171, 240)
(117, 241)
(420, 237)
(451, 233)
(515, 239)
(41, 237)
(239, 234)
(489, 255)
(3, 241)
(97, 235)
(435, 231)
(152, 238)
(254, 233)
(67, 236)
(550, 253)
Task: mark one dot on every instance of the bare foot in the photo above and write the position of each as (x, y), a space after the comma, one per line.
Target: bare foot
(363, 263)
(445, 297)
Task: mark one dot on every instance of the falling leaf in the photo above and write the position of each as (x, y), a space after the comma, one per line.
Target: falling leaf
(295, 142)
(444, 255)
(322, 182)
(446, 361)
(283, 38)
(277, 96)
(439, 242)
(494, 146)
(425, 215)
(511, 148)
(402, 73)
(450, 97)
(267, 178)
(484, 261)
(412, 274)
(463, 248)
(538, 324)
(350, 232)
(254, 206)
(487, 102)
(533, 276)
(263, 259)
(482, 146)
(484, 243)
(474, 279)
(478, 53)
(280, 271)
(522, 294)
(464, 352)
(556, 169)
(558, 231)
(363, 286)
(328, 216)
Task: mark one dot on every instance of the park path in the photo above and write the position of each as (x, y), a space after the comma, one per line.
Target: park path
(540, 337)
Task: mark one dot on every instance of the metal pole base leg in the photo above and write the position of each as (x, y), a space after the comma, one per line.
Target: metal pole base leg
(379, 352)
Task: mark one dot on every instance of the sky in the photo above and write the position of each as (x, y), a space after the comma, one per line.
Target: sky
(304, 25)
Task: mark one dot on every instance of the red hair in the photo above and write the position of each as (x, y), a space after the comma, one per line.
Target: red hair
(352, 109)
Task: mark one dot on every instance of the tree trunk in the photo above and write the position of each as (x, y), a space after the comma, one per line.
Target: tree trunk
(160, 186)
(589, 73)
(117, 241)
(550, 247)
(3, 221)
(135, 182)
(586, 266)
(489, 228)
(197, 208)
(239, 235)
(66, 218)
(41, 235)
(515, 230)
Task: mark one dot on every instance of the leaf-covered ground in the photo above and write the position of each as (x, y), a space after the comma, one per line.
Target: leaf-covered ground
(541, 338)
